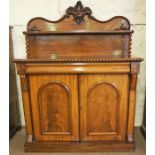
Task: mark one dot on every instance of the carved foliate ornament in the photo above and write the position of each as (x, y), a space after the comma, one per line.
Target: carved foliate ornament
(79, 12)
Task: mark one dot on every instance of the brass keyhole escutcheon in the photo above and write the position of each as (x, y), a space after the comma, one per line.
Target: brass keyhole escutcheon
(117, 53)
(53, 56)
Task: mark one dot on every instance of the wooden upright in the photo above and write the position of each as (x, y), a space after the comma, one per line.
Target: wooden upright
(79, 83)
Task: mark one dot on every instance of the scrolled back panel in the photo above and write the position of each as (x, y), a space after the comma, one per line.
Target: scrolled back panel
(78, 34)
(68, 23)
(78, 18)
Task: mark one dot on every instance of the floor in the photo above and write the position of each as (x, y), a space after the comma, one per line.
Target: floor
(17, 146)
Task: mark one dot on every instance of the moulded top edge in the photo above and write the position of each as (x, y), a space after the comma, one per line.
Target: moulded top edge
(101, 60)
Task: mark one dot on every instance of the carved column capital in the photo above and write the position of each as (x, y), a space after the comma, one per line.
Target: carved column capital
(21, 69)
(135, 67)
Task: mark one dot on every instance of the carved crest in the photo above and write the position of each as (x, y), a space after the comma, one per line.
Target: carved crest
(79, 12)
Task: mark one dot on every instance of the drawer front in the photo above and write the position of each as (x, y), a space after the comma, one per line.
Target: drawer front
(54, 107)
(103, 106)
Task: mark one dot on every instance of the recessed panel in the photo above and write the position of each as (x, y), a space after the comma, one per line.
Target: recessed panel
(102, 108)
(54, 118)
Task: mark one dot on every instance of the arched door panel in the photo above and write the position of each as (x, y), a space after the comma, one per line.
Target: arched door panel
(103, 106)
(55, 107)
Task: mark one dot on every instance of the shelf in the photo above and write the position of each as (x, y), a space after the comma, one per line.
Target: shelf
(77, 32)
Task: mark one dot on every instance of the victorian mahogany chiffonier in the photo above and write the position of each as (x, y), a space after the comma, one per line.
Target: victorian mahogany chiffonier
(78, 83)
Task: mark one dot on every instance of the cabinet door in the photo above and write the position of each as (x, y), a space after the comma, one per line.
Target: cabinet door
(54, 107)
(103, 106)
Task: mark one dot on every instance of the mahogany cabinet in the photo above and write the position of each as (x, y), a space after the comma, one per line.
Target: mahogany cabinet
(79, 83)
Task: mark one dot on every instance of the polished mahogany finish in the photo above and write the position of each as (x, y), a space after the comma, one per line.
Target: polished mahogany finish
(104, 104)
(55, 107)
(79, 83)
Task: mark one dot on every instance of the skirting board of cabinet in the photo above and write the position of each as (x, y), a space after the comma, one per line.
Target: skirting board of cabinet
(78, 147)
